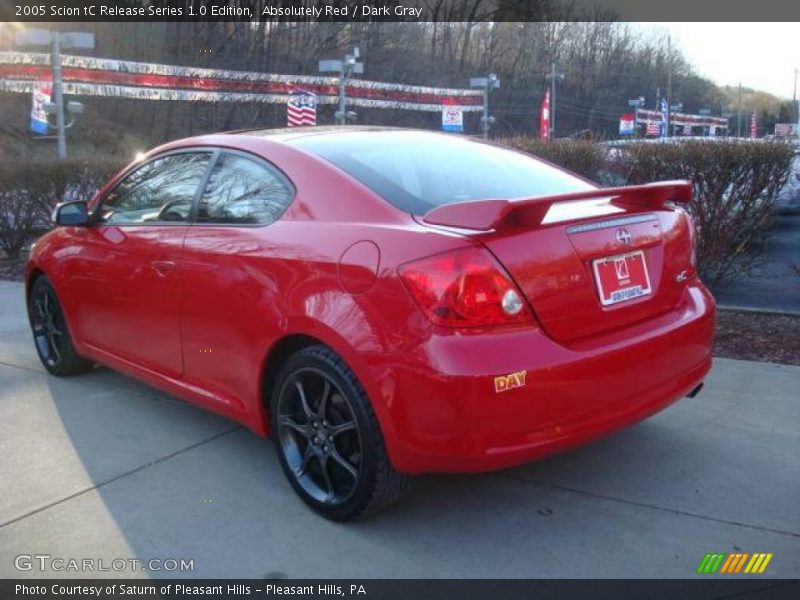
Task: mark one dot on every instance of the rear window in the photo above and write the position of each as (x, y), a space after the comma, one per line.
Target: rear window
(418, 171)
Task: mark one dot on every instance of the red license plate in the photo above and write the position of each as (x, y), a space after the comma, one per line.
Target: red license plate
(621, 277)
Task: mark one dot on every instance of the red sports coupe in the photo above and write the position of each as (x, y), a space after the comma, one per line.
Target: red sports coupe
(381, 302)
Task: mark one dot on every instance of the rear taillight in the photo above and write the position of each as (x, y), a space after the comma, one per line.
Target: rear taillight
(465, 289)
(692, 237)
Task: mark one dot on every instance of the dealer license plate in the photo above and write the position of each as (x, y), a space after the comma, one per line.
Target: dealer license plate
(622, 277)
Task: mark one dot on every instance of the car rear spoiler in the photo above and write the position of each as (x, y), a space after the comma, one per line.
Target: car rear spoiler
(484, 215)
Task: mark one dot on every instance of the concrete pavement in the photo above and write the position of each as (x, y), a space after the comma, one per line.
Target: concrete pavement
(102, 467)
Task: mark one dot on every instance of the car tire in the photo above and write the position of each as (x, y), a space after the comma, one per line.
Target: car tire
(50, 332)
(328, 439)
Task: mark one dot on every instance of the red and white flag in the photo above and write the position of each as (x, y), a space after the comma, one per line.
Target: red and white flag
(544, 117)
(753, 125)
(301, 108)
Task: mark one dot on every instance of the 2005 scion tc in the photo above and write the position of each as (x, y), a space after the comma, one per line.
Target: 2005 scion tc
(381, 302)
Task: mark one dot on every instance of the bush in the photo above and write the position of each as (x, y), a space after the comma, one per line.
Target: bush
(29, 191)
(584, 157)
(736, 184)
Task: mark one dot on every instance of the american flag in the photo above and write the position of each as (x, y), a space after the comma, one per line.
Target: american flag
(653, 128)
(301, 108)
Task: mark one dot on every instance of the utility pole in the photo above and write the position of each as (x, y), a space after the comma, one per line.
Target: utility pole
(795, 105)
(739, 111)
(553, 76)
(669, 86)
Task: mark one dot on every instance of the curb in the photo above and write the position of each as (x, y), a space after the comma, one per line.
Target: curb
(763, 311)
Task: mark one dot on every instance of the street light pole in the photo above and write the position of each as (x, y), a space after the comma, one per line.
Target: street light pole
(56, 41)
(341, 115)
(739, 111)
(485, 119)
(345, 68)
(58, 92)
(487, 84)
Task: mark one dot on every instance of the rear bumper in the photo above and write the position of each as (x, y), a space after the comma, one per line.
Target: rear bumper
(446, 415)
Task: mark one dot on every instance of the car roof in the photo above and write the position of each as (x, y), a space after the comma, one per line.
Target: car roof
(289, 134)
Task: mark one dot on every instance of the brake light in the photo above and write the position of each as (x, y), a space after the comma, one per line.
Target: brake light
(692, 237)
(465, 289)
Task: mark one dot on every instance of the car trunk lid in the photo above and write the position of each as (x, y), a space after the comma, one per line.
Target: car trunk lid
(589, 262)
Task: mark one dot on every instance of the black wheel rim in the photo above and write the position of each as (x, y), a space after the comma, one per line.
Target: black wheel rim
(49, 330)
(319, 436)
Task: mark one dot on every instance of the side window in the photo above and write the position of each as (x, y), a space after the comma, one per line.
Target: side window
(161, 190)
(241, 190)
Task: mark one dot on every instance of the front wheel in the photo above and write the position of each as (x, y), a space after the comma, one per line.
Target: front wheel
(328, 439)
(50, 333)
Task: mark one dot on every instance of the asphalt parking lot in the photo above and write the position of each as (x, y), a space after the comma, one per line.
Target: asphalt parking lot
(102, 467)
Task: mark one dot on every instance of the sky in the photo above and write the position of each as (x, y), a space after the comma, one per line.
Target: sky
(763, 56)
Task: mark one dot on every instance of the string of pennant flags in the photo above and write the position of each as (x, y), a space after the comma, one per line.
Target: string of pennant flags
(30, 73)
(91, 76)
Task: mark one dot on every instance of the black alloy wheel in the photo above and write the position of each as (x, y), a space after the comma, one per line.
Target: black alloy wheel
(319, 436)
(50, 332)
(328, 438)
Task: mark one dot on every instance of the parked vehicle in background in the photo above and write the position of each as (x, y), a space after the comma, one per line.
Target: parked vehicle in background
(615, 172)
(383, 303)
(788, 201)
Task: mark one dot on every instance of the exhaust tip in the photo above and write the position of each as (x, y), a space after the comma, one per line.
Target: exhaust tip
(695, 391)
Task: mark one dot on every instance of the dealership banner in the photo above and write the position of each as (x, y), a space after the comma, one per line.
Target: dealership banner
(627, 124)
(787, 129)
(42, 92)
(91, 76)
(680, 119)
(452, 116)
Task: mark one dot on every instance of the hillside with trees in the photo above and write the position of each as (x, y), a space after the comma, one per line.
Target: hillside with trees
(604, 64)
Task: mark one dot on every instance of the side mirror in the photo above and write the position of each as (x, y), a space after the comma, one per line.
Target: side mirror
(75, 213)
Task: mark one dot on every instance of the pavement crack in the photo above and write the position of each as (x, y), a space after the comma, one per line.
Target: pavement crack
(674, 511)
(121, 476)
(20, 367)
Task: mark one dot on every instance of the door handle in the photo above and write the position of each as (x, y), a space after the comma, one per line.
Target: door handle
(162, 267)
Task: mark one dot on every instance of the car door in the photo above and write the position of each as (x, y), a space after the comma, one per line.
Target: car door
(230, 271)
(128, 275)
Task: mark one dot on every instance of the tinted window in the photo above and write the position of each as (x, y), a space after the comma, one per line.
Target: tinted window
(160, 190)
(241, 190)
(417, 171)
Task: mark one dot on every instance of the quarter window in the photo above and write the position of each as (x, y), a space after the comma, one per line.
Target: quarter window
(161, 190)
(243, 191)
